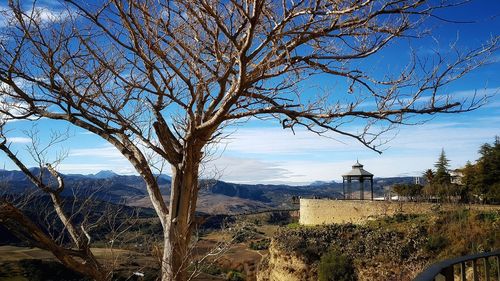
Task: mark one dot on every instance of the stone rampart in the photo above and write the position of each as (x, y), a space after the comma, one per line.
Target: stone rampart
(326, 211)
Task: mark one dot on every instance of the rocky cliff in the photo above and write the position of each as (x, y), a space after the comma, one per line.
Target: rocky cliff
(279, 265)
(391, 248)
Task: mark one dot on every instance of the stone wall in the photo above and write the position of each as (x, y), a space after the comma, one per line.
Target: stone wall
(326, 211)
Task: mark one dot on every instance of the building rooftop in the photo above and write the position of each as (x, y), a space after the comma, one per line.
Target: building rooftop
(357, 170)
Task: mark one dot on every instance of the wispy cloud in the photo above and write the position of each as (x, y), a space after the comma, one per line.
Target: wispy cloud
(305, 157)
(3, 16)
(278, 141)
(244, 169)
(106, 151)
(271, 155)
(12, 107)
(19, 140)
(93, 160)
(43, 12)
(478, 93)
(123, 168)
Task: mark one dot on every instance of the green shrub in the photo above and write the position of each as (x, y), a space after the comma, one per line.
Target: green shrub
(293, 225)
(235, 276)
(334, 266)
(488, 216)
(436, 243)
(280, 218)
(244, 233)
(262, 244)
(212, 269)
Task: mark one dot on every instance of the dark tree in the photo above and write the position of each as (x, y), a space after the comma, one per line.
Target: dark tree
(411, 191)
(442, 175)
(482, 179)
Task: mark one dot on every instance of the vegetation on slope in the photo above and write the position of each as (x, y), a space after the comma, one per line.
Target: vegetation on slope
(398, 247)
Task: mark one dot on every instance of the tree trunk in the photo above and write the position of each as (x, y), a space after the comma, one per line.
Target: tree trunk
(175, 256)
(178, 227)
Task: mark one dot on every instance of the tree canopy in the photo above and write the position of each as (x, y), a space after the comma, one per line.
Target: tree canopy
(478, 182)
(482, 179)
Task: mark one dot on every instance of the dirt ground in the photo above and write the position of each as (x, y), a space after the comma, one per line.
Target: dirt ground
(238, 257)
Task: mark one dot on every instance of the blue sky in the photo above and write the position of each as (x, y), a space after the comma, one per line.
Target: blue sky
(262, 152)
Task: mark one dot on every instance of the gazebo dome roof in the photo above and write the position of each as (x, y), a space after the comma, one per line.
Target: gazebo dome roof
(357, 171)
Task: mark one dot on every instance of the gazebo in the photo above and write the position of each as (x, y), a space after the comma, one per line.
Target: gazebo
(357, 174)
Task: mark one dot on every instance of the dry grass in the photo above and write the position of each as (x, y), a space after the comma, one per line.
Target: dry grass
(13, 253)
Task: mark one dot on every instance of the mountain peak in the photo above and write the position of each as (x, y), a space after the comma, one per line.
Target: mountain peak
(105, 174)
(320, 183)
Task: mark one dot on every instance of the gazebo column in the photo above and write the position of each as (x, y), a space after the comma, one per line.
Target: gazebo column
(343, 186)
(361, 188)
(371, 186)
(349, 188)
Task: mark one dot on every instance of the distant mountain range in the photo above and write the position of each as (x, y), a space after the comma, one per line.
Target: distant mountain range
(215, 196)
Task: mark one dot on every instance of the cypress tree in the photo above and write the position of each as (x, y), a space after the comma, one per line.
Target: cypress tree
(442, 175)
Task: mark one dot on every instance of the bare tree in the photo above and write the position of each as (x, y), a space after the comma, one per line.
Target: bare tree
(61, 219)
(167, 76)
(75, 255)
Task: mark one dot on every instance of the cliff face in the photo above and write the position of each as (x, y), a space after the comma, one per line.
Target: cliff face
(285, 266)
(394, 248)
(294, 254)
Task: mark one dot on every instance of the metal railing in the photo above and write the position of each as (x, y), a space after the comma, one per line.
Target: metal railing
(445, 270)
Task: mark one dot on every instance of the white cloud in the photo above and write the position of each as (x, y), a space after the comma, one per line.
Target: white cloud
(93, 160)
(278, 141)
(455, 134)
(448, 135)
(495, 104)
(478, 93)
(13, 107)
(273, 155)
(42, 13)
(123, 168)
(298, 171)
(3, 17)
(50, 15)
(106, 151)
(495, 59)
(19, 140)
(243, 170)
